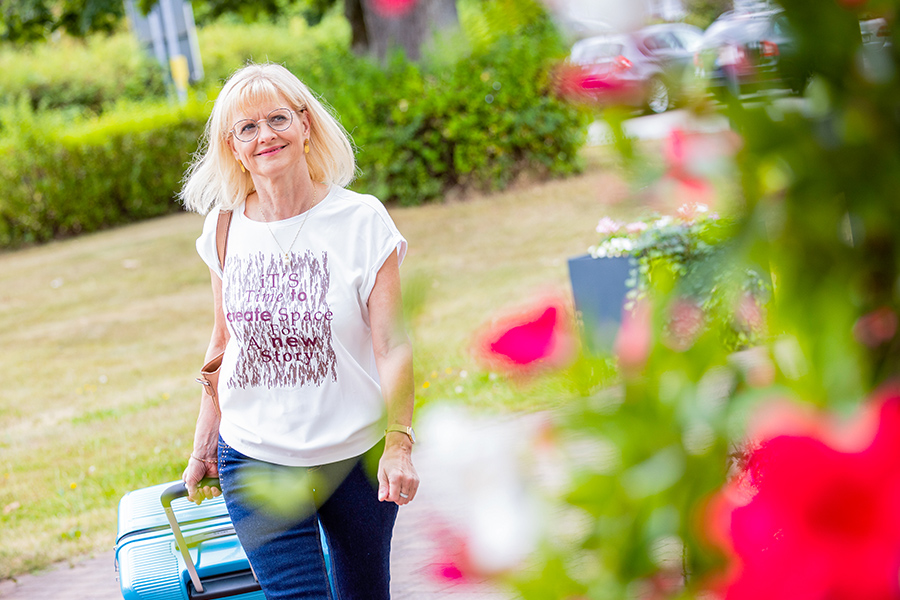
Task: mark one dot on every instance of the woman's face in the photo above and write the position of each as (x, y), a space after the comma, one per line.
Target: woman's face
(271, 151)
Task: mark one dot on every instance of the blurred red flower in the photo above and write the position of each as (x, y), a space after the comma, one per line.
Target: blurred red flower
(876, 328)
(452, 563)
(814, 513)
(686, 321)
(539, 336)
(394, 8)
(632, 345)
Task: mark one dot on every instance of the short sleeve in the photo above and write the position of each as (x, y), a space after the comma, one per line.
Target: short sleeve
(385, 238)
(206, 243)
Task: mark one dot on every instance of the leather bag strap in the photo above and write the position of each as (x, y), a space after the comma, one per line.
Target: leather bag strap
(222, 226)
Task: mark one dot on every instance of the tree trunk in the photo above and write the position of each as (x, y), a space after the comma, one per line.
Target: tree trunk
(407, 24)
(359, 38)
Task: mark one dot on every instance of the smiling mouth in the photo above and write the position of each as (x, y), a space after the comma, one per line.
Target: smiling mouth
(271, 150)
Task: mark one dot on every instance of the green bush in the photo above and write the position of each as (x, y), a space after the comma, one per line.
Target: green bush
(421, 131)
(81, 74)
(478, 124)
(59, 179)
(226, 47)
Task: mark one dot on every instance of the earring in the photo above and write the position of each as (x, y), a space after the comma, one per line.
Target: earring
(306, 147)
(243, 170)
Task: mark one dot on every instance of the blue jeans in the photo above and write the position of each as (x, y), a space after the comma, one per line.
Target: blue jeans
(276, 512)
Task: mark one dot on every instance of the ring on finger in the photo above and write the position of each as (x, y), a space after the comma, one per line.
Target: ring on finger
(402, 495)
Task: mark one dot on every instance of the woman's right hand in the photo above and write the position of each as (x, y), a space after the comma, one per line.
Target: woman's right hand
(194, 473)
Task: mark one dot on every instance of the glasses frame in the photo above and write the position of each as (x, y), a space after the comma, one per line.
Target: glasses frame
(233, 130)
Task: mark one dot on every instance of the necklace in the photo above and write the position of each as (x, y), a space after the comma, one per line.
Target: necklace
(286, 254)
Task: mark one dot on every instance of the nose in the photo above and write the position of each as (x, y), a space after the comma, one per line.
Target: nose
(265, 131)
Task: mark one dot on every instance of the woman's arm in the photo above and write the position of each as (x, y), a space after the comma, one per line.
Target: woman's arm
(202, 462)
(393, 359)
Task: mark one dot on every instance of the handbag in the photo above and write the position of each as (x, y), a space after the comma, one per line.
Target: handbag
(209, 373)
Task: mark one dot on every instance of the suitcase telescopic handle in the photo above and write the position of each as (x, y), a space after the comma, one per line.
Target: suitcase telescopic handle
(179, 490)
(174, 491)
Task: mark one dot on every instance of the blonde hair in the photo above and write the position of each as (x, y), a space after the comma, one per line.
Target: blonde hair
(214, 178)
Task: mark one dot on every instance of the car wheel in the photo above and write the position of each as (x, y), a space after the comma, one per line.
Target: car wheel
(658, 98)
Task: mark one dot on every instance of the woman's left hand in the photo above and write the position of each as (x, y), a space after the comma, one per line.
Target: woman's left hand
(397, 477)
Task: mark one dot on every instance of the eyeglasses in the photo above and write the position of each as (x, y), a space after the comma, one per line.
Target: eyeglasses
(279, 119)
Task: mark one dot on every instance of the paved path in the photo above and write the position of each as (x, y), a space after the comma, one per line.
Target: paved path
(413, 556)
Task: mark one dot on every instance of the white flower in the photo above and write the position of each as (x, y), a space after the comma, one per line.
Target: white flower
(617, 246)
(663, 221)
(485, 489)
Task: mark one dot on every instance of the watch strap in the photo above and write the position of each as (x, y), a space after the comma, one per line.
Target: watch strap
(408, 431)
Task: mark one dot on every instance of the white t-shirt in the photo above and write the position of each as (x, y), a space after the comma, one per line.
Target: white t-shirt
(298, 384)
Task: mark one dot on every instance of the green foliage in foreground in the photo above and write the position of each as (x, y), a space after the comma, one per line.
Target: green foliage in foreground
(817, 207)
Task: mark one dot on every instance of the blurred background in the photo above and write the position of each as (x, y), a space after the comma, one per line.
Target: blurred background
(656, 240)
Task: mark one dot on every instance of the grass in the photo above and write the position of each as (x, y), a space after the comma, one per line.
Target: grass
(101, 337)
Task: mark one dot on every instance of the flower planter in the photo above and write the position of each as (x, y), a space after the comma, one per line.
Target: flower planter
(599, 289)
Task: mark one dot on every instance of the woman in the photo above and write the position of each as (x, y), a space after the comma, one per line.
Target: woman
(316, 380)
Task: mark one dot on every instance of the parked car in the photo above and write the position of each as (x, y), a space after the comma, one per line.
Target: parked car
(643, 69)
(875, 32)
(745, 52)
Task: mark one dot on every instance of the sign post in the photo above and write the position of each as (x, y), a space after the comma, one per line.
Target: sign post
(168, 32)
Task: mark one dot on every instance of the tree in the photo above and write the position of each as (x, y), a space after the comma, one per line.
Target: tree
(408, 24)
(34, 20)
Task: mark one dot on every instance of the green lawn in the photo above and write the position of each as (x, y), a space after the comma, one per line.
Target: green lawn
(101, 336)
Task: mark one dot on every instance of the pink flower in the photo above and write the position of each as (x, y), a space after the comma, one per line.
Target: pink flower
(876, 328)
(452, 562)
(813, 514)
(539, 336)
(608, 226)
(749, 314)
(636, 227)
(686, 321)
(691, 211)
(632, 345)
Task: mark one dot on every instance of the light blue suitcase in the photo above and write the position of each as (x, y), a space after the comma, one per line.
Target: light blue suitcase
(168, 548)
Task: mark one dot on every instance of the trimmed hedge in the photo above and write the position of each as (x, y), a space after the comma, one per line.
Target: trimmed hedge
(477, 123)
(80, 74)
(58, 180)
(225, 47)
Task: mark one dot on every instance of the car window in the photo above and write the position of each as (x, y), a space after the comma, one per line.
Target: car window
(737, 29)
(781, 26)
(588, 51)
(661, 41)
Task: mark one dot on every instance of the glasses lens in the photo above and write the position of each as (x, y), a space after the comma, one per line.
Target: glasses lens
(280, 119)
(245, 130)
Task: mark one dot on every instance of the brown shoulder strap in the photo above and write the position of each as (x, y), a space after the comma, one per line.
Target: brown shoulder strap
(222, 235)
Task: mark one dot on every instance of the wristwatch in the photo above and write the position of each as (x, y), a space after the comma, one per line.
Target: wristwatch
(402, 429)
